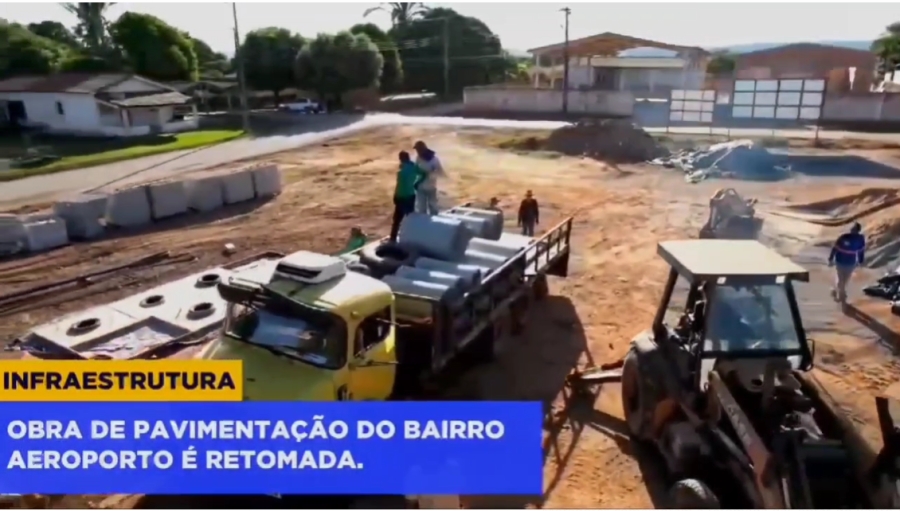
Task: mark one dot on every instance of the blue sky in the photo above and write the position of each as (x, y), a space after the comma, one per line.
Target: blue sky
(527, 25)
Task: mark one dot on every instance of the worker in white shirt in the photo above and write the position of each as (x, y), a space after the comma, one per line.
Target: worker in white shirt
(426, 192)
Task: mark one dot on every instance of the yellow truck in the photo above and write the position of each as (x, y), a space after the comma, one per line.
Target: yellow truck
(310, 327)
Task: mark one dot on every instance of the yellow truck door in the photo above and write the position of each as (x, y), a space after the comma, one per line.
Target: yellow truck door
(373, 364)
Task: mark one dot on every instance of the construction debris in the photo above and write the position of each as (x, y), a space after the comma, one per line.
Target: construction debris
(611, 140)
(738, 159)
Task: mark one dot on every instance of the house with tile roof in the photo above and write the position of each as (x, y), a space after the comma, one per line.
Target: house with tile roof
(104, 105)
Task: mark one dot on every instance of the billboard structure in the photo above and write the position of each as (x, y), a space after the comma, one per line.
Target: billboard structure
(788, 100)
(692, 105)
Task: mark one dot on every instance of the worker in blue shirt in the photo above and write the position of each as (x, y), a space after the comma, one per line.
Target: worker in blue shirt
(848, 252)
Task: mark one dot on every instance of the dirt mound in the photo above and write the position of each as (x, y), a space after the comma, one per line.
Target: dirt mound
(849, 208)
(611, 140)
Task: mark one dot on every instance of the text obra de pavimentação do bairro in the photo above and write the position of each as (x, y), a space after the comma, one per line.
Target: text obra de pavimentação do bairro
(298, 431)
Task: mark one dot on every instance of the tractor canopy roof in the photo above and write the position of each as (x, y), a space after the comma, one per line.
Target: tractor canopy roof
(708, 260)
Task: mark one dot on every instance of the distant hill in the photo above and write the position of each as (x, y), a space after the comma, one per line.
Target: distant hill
(746, 48)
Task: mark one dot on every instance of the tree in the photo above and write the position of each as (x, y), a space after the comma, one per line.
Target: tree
(887, 47)
(401, 12)
(55, 31)
(269, 55)
(92, 28)
(153, 48)
(475, 52)
(332, 65)
(23, 52)
(209, 62)
(89, 64)
(392, 70)
(722, 63)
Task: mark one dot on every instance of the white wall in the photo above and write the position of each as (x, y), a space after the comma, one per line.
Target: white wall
(80, 113)
(527, 100)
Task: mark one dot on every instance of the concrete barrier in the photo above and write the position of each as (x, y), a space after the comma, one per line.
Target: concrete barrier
(82, 215)
(238, 186)
(205, 193)
(43, 232)
(167, 199)
(267, 180)
(12, 235)
(129, 207)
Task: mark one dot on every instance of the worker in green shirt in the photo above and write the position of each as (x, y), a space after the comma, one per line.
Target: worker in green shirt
(408, 178)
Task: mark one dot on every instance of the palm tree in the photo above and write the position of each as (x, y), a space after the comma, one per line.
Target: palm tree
(401, 12)
(92, 26)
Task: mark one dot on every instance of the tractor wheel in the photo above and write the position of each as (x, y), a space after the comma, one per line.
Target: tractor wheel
(692, 494)
(635, 399)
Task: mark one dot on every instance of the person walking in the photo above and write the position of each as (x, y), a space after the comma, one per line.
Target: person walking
(848, 252)
(408, 179)
(529, 214)
(427, 193)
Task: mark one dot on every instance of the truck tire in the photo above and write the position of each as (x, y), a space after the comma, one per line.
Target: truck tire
(692, 494)
(385, 258)
(636, 396)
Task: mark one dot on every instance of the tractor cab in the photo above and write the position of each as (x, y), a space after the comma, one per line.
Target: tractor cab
(739, 304)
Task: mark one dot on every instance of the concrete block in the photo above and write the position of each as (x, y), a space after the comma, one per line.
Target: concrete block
(205, 194)
(43, 232)
(167, 198)
(129, 207)
(238, 187)
(267, 180)
(82, 215)
(12, 234)
(86, 204)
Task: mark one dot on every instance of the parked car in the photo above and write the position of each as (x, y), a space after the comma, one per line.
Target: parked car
(303, 105)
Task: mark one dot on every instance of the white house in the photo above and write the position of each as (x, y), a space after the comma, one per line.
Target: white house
(618, 62)
(118, 105)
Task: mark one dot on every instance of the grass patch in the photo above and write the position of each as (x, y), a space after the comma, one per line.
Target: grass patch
(77, 153)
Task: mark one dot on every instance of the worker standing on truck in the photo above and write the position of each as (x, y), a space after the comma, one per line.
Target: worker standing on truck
(426, 194)
(409, 177)
(848, 252)
(529, 214)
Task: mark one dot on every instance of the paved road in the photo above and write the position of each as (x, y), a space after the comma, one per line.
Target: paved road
(309, 131)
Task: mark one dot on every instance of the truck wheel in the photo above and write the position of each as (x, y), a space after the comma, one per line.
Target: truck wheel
(541, 288)
(692, 494)
(636, 400)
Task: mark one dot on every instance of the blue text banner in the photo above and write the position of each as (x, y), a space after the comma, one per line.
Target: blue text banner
(261, 448)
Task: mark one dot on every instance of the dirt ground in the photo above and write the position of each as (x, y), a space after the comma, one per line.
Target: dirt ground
(621, 212)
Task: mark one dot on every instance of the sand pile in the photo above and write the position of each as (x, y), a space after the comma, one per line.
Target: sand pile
(847, 208)
(611, 140)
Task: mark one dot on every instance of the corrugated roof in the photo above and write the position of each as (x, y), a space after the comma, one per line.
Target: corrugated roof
(164, 99)
(73, 83)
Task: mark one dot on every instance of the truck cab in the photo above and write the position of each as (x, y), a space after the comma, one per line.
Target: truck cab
(308, 329)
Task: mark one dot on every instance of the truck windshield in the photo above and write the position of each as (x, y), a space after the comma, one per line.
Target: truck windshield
(751, 318)
(306, 334)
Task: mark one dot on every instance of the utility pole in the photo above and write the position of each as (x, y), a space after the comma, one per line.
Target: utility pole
(245, 115)
(446, 56)
(567, 11)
